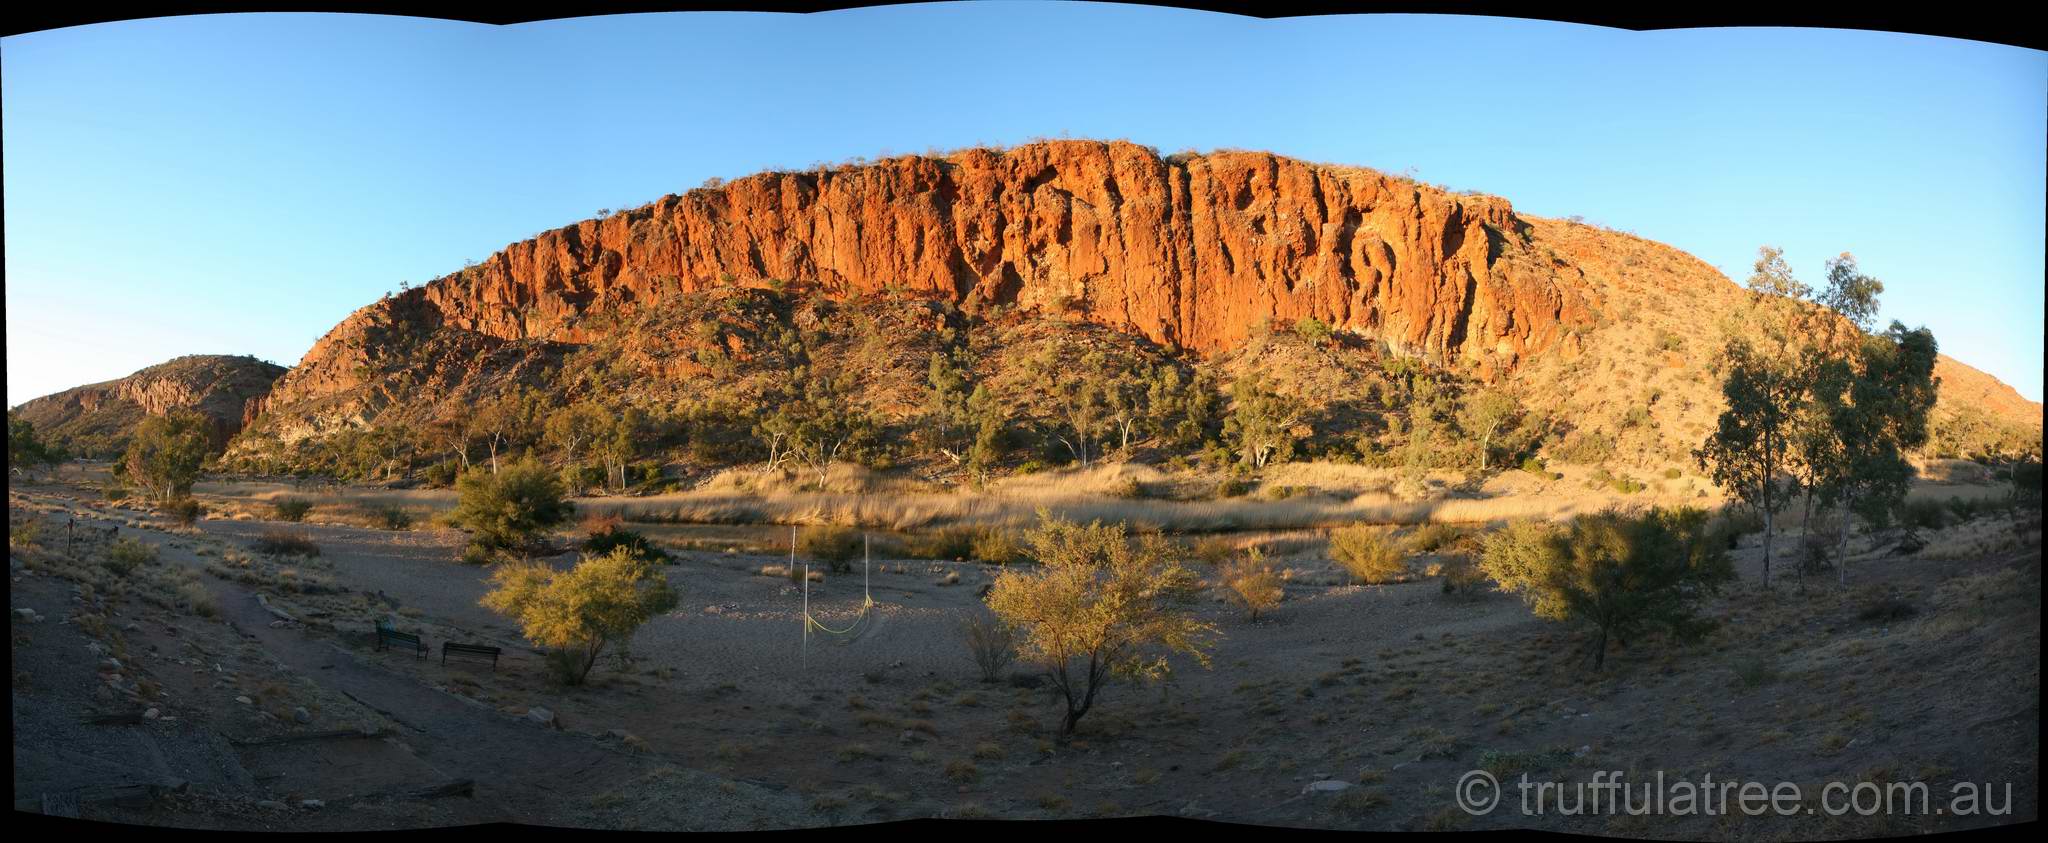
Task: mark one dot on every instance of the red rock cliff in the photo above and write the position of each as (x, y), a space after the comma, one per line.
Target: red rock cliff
(1193, 250)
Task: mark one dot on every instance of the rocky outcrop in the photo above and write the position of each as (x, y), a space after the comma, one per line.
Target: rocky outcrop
(1192, 251)
(96, 419)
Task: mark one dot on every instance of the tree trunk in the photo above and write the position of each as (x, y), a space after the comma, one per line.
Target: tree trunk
(1842, 541)
(1770, 528)
(1600, 651)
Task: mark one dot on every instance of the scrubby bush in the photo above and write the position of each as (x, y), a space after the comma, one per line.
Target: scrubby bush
(1368, 554)
(1459, 574)
(392, 517)
(2026, 484)
(833, 545)
(1253, 584)
(441, 475)
(1213, 550)
(955, 543)
(993, 644)
(1622, 574)
(1535, 466)
(127, 554)
(1231, 487)
(997, 546)
(185, 511)
(1583, 447)
(292, 509)
(1127, 488)
(1430, 538)
(510, 509)
(612, 536)
(1925, 514)
(283, 543)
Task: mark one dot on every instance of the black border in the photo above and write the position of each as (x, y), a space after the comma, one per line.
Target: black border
(1984, 24)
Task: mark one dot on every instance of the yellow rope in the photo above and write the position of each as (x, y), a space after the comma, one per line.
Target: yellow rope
(866, 604)
(867, 601)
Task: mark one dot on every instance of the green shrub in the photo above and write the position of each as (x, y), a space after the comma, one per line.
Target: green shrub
(602, 542)
(833, 545)
(1673, 474)
(1622, 574)
(1232, 487)
(127, 554)
(1430, 538)
(1535, 466)
(441, 475)
(1127, 488)
(1926, 514)
(1583, 447)
(392, 517)
(512, 508)
(1368, 554)
(292, 509)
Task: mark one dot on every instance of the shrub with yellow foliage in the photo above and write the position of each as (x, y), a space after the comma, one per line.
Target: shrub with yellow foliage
(1099, 606)
(581, 611)
(1253, 583)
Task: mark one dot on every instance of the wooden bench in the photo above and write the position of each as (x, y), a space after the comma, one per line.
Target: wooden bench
(469, 651)
(387, 636)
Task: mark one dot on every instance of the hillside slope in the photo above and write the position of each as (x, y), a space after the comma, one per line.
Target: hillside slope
(96, 419)
(1193, 255)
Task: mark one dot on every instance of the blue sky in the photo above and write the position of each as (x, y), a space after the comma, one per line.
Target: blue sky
(239, 183)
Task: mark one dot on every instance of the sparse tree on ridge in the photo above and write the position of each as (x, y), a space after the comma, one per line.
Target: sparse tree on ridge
(1850, 292)
(1773, 276)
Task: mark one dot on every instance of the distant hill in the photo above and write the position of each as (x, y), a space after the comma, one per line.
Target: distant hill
(96, 420)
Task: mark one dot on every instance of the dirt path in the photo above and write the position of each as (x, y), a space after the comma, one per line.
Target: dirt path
(523, 770)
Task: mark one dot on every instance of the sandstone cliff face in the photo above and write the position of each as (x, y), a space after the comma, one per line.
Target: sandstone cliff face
(98, 417)
(1194, 252)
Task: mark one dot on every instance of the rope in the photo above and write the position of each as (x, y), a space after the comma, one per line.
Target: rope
(867, 599)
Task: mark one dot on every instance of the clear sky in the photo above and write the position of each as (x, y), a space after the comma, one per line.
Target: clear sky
(240, 183)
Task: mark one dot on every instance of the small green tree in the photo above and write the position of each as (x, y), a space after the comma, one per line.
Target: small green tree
(1751, 448)
(166, 453)
(1485, 414)
(509, 509)
(1262, 425)
(1880, 417)
(27, 452)
(1099, 606)
(512, 418)
(1621, 574)
(599, 602)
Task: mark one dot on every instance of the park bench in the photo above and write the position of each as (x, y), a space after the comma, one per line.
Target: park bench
(469, 651)
(386, 637)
